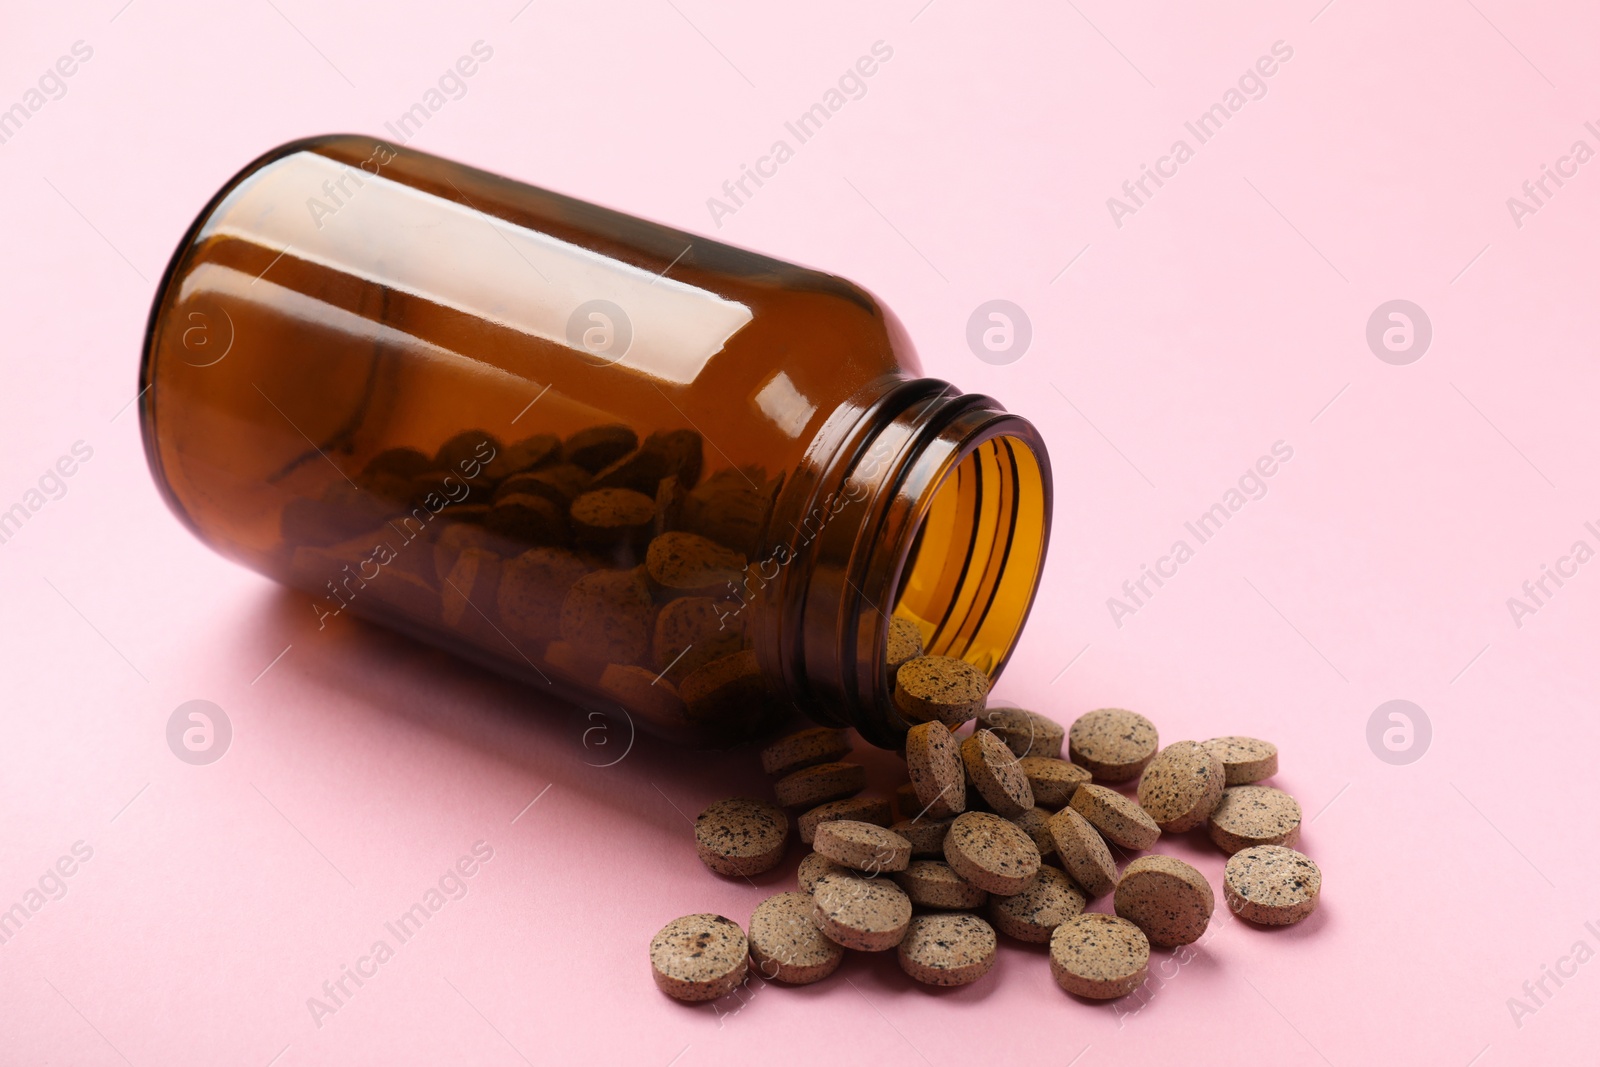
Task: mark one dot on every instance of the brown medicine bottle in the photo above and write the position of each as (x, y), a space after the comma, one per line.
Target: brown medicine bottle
(625, 464)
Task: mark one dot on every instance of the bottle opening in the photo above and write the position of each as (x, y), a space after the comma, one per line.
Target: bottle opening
(975, 560)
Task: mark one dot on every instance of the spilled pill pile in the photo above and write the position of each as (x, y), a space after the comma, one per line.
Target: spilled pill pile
(1006, 831)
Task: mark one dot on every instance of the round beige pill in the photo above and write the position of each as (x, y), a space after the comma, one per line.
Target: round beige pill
(904, 644)
(1250, 815)
(785, 944)
(813, 867)
(699, 957)
(861, 846)
(1245, 759)
(1114, 744)
(933, 760)
(1166, 898)
(932, 884)
(939, 687)
(991, 853)
(1083, 852)
(1036, 822)
(947, 950)
(996, 773)
(727, 693)
(820, 744)
(1271, 885)
(741, 836)
(862, 809)
(1181, 786)
(866, 914)
(1053, 780)
(1115, 816)
(609, 615)
(1026, 733)
(1099, 956)
(817, 785)
(905, 800)
(1033, 914)
(926, 835)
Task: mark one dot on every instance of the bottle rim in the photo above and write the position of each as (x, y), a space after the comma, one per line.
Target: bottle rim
(954, 496)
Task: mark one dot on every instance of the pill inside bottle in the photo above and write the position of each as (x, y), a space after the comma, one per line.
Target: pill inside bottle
(629, 466)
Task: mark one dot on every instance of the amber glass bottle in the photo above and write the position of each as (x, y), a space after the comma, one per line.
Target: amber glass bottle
(626, 464)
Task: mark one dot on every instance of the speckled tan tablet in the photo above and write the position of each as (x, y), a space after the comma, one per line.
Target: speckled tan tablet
(692, 631)
(933, 759)
(1026, 733)
(1245, 759)
(1033, 914)
(599, 446)
(1166, 898)
(926, 835)
(560, 484)
(611, 517)
(817, 785)
(527, 519)
(1114, 744)
(940, 687)
(533, 588)
(905, 800)
(1053, 780)
(650, 697)
(904, 644)
(726, 692)
(1036, 822)
(699, 957)
(1119, 819)
(947, 950)
(1271, 885)
(608, 614)
(813, 867)
(996, 773)
(933, 884)
(866, 914)
(1099, 956)
(862, 809)
(1251, 815)
(991, 853)
(686, 564)
(820, 744)
(1181, 785)
(741, 836)
(467, 594)
(785, 944)
(861, 846)
(1083, 852)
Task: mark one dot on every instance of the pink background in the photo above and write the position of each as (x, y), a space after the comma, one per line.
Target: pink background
(1227, 314)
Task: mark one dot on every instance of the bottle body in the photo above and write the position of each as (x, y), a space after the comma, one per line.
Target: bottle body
(617, 461)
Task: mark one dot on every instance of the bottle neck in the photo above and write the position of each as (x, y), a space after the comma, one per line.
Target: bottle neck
(915, 501)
